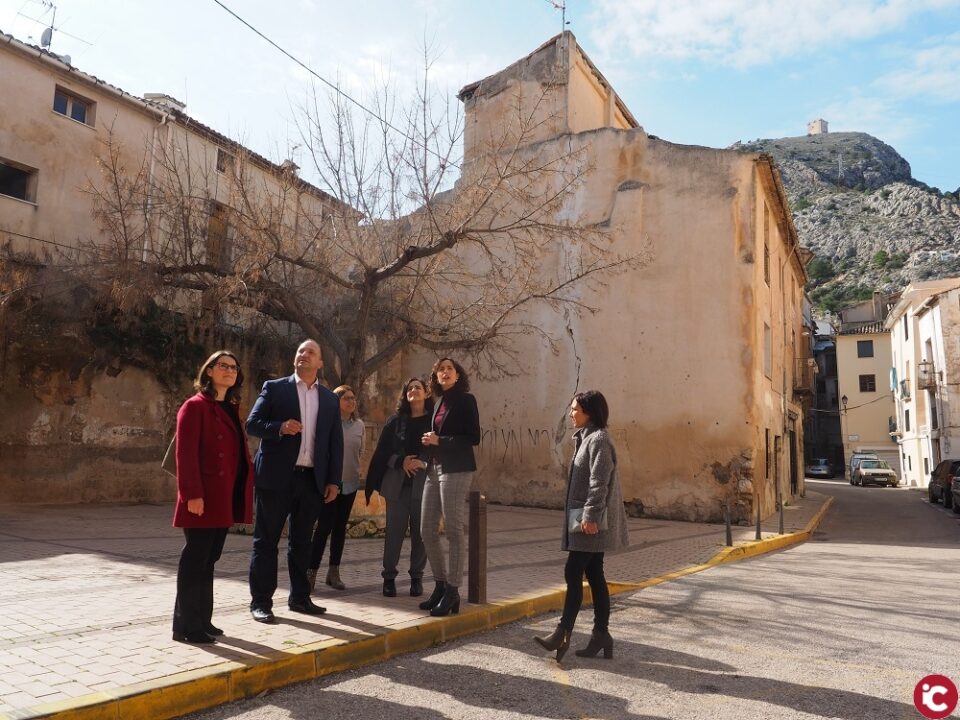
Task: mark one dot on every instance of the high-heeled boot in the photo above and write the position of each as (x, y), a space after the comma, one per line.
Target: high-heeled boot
(558, 640)
(599, 640)
(333, 578)
(449, 604)
(435, 596)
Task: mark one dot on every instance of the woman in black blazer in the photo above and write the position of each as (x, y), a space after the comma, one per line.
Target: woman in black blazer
(448, 452)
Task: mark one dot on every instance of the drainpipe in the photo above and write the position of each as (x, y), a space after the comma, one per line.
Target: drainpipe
(148, 210)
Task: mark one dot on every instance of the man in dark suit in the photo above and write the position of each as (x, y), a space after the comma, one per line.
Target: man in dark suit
(298, 467)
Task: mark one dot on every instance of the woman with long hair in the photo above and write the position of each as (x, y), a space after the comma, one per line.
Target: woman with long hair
(214, 490)
(398, 473)
(332, 522)
(448, 452)
(595, 523)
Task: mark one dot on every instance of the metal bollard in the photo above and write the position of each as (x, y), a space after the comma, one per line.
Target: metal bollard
(759, 533)
(726, 519)
(477, 549)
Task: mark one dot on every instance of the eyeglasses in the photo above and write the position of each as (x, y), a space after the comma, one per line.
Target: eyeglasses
(227, 367)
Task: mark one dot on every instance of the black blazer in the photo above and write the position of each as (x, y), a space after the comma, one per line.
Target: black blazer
(459, 434)
(277, 455)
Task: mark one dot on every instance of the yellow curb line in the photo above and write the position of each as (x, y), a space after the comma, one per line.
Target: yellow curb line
(194, 690)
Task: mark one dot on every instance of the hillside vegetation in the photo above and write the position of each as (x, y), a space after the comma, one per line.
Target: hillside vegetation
(858, 208)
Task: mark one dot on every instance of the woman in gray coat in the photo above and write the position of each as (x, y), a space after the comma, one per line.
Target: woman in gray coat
(595, 523)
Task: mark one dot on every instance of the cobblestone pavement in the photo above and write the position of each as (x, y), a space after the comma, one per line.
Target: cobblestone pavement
(86, 591)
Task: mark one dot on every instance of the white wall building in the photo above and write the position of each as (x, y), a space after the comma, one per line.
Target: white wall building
(925, 344)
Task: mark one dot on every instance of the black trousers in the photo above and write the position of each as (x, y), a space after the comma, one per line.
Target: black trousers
(297, 506)
(591, 564)
(193, 607)
(332, 524)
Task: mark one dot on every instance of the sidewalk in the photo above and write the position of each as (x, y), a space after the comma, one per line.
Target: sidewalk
(86, 595)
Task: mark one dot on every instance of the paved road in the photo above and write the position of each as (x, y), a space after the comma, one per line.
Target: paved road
(841, 627)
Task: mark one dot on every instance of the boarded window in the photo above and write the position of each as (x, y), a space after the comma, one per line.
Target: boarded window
(864, 348)
(218, 251)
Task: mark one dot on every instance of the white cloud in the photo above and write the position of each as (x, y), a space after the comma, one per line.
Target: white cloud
(745, 32)
(934, 74)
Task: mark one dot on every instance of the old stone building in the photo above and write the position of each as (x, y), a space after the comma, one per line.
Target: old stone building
(85, 415)
(699, 346)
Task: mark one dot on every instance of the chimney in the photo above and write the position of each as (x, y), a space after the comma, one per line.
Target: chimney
(165, 101)
(289, 166)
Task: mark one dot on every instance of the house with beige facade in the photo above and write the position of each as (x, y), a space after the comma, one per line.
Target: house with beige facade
(924, 328)
(91, 428)
(701, 349)
(863, 371)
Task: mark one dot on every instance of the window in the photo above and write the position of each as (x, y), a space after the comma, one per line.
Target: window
(906, 328)
(18, 181)
(906, 421)
(864, 348)
(73, 107)
(767, 351)
(926, 466)
(868, 383)
(218, 251)
(224, 161)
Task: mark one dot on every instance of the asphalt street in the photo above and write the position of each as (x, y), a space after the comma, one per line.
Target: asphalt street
(843, 626)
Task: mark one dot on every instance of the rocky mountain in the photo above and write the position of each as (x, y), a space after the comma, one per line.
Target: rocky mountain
(858, 208)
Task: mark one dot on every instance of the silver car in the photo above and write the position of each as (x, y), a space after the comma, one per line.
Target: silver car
(874, 472)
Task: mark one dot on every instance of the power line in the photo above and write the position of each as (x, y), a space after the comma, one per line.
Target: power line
(340, 92)
(31, 237)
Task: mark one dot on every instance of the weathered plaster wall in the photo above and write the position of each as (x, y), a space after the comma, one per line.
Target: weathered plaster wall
(673, 343)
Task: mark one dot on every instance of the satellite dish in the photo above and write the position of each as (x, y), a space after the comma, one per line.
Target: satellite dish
(66, 59)
(46, 38)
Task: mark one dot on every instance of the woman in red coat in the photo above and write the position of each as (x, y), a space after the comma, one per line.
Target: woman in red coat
(214, 489)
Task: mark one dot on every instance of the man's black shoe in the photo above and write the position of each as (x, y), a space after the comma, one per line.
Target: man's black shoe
(261, 615)
(307, 607)
(416, 587)
(199, 638)
(212, 629)
(389, 588)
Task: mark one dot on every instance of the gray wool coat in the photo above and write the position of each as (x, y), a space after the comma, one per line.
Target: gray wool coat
(593, 485)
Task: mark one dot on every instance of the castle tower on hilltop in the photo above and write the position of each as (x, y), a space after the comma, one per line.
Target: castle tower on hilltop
(817, 127)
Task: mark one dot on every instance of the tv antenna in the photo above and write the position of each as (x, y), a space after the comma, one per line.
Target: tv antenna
(561, 5)
(46, 37)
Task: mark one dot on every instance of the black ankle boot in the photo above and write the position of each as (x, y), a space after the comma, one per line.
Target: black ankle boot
(449, 603)
(599, 640)
(558, 640)
(435, 596)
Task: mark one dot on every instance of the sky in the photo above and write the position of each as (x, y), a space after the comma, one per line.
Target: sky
(707, 72)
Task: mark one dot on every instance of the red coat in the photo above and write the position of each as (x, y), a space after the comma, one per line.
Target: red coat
(208, 456)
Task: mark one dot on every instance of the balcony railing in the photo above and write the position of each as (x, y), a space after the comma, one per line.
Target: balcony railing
(804, 376)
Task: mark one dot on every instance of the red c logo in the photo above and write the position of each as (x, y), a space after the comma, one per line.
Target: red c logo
(935, 697)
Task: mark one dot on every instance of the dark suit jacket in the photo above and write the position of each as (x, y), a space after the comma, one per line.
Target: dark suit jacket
(208, 462)
(277, 455)
(458, 435)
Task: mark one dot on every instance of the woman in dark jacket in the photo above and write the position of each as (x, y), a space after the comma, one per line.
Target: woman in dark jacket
(448, 452)
(397, 473)
(214, 490)
(595, 523)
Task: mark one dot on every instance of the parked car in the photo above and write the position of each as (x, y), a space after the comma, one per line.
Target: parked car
(819, 467)
(941, 479)
(855, 461)
(955, 494)
(874, 472)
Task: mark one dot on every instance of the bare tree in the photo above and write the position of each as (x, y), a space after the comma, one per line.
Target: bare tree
(397, 243)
